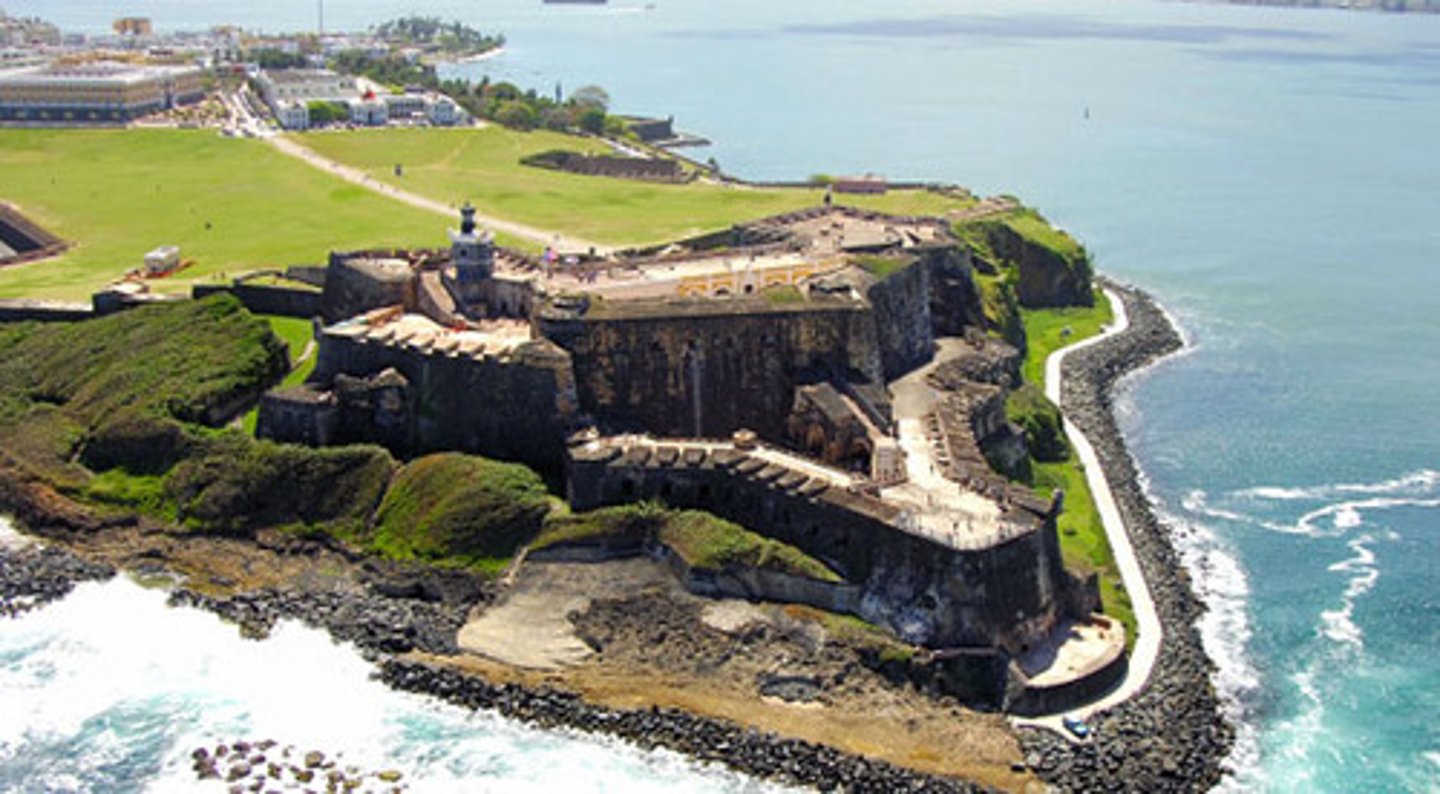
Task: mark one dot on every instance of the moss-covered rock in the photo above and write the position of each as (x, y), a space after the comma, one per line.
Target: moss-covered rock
(237, 484)
(1047, 266)
(459, 509)
(699, 538)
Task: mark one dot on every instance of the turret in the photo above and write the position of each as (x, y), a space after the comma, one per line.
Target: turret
(472, 253)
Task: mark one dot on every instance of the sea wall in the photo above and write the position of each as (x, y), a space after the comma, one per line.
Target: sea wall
(1172, 736)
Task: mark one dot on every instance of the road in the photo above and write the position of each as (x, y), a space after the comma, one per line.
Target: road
(1148, 630)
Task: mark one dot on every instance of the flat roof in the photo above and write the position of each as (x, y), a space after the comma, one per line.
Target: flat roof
(96, 72)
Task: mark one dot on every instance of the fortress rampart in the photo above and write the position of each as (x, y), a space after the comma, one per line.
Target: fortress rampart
(681, 368)
(512, 399)
(1005, 588)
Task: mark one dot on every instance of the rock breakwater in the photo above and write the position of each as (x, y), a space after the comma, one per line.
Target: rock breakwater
(1172, 736)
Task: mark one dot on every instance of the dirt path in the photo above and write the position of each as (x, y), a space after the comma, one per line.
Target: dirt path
(358, 177)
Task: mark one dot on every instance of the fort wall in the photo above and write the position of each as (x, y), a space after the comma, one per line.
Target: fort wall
(265, 299)
(676, 368)
(518, 405)
(901, 307)
(1004, 590)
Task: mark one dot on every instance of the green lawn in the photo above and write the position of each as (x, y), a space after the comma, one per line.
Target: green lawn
(116, 194)
(483, 166)
(1048, 330)
(1082, 536)
(296, 333)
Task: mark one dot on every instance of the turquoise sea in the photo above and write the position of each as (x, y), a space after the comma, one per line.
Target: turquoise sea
(1266, 173)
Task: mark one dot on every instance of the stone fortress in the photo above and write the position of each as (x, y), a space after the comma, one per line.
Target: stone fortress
(824, 377)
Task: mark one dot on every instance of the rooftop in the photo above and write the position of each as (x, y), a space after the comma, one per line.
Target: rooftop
(393, 326)
(97, 71)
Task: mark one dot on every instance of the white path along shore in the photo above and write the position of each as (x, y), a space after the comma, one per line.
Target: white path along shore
(1148, 631)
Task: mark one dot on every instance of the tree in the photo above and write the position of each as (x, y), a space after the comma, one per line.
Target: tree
(322, 113)
(593, 121)
(517, 114)
(591, 96)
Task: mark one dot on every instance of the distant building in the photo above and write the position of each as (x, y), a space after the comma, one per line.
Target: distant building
(289, 93)
(15, 32)
(133, 26)
(95, 93)
(861, 184)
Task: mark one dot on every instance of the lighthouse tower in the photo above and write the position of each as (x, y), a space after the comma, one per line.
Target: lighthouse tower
(473, 253)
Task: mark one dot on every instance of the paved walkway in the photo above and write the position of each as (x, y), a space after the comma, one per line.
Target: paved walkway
(1148, 630)
(942, 509)
(356, 176)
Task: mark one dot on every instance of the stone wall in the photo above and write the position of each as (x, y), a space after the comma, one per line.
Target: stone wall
(25, 238)
(954, 298)
(13, 310)
(519, 406)
(1005, 591)
(265, 299)
(901, 303)
(355, 284)
(706, 368)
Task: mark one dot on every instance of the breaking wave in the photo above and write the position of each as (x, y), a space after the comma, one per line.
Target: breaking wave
(1220, 581)
(1343, 516)
(110, 690)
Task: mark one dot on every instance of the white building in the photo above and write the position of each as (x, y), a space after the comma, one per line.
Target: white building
(289, 92)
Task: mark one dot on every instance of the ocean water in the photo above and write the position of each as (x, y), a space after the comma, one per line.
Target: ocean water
(109, 690)
(1267, 173)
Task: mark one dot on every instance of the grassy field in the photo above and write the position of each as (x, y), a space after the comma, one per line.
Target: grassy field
(1048, 330)
(116, 194)
(1082, 536)
(483, 166)
(297, 335)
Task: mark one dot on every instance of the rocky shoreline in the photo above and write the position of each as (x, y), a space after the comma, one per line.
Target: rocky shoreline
(753, 752)
(1172, 736)
(33, 576)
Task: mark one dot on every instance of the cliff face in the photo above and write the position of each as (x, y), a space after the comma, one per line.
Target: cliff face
(955, 302)
(1049, 278)
(707, 369)
(1049, 267)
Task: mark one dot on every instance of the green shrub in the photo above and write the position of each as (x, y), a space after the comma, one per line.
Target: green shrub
(459, 509)
(238, 484)
(1028, 407)
(704, 541)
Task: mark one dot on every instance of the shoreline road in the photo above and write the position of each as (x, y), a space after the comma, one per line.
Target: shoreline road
(1148, 630)
(356, 176)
